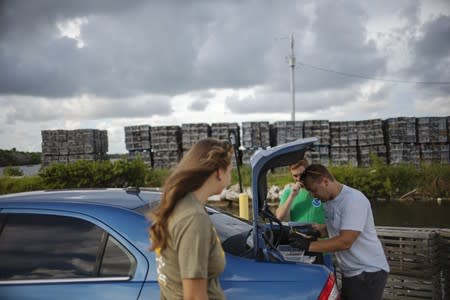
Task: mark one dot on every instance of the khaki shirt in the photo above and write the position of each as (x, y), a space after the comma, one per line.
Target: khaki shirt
(193, 251)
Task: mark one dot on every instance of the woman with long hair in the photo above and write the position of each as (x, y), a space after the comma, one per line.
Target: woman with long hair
(188, 251)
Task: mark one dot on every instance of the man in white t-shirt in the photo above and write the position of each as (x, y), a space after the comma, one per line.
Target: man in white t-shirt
(352, 235)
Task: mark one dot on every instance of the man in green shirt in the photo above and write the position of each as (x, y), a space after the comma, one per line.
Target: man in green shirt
(296, 203)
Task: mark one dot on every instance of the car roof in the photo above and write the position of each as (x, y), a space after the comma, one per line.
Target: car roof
(130, 198)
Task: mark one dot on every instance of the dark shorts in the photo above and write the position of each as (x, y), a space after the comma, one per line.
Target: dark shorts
(367, 285)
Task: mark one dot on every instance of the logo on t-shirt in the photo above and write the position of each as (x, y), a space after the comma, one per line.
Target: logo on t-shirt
(316, 202)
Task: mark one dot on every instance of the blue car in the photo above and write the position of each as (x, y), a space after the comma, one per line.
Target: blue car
(93, 244)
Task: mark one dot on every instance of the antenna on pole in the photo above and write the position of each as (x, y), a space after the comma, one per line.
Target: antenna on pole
(292, 65)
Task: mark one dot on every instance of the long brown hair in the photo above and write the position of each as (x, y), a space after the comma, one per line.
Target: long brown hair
(205, 157)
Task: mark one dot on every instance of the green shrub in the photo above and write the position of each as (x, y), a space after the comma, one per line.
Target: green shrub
(156, 177)
(10, 185)
(378, 181)
(246, 176)
(12, 171)
(90, 174)
(434, 180)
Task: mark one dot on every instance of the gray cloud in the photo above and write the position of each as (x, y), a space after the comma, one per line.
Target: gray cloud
(199, 104)
(139, 54)
(341, 44)
(165, 47)
(432, 55)
(30, 110)
(281, 102)
(172, 47)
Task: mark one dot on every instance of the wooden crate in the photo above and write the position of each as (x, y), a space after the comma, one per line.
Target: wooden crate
(406, 287)
(414, 258)
(444, 235)
(413, 252)
(419, 259)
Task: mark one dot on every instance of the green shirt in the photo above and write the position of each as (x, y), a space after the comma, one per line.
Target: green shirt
(304, 208)
(193, 251)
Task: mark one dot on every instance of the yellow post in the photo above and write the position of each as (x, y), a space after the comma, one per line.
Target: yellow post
(243, 206)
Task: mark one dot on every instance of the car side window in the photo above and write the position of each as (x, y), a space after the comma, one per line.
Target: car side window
(38, 246)
(2, 219)
(117, 261)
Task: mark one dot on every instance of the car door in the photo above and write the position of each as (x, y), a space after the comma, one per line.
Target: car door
(48, 255)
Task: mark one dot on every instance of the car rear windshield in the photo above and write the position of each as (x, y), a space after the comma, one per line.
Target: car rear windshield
(226, 224)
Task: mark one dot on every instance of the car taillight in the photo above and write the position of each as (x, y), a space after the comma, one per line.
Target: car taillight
(330, 290)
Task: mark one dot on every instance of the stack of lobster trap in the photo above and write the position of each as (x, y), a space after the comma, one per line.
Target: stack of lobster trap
(401, 138)
(343, 150)
(355, 142)
(65, 146)
(321, 130)
(192, 133)
(255, 135)
(222, 131)
(432, 137)
(166, 146)
(444, 235)
(414, 256)
(138, 143)
(282, 132)
(370, 141)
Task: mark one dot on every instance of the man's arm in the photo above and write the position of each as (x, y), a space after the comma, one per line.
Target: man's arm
(283, 210)
(343, 241)
(322, 228)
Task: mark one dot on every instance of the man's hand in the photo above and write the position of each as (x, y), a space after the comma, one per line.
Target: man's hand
(322, 228)
(299, 241)
(295, 188)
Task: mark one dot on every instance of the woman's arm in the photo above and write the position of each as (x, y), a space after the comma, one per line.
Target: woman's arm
(195, 289)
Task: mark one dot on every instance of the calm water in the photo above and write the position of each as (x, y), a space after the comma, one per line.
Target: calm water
(27, 170)
(407, 214)
(412, 214)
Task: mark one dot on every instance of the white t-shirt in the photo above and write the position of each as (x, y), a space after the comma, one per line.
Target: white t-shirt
(351, 210)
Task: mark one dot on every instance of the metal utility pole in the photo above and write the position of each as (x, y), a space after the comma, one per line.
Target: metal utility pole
(292, 65)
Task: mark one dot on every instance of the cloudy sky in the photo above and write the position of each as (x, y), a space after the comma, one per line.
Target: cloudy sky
(107, 64)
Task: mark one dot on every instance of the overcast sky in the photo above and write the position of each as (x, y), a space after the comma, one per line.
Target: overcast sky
(107, 64)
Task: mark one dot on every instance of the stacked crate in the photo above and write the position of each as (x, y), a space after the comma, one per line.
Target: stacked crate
(341, 156)
(370, 141)
(400, 137)
(435, 153)
(321, 130)
(247, 155)
(319, 155)
(366, 152)
(145, 155)
(166, 146)
(54, 146)
(221, 131)
(137, 138)
(286, 131)
(343, 137)
(432, 137)
(444, 235)
(448, 129)
(255, 135)
(63, 146)
(138, 143)
(413, 257)
(192, 133)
